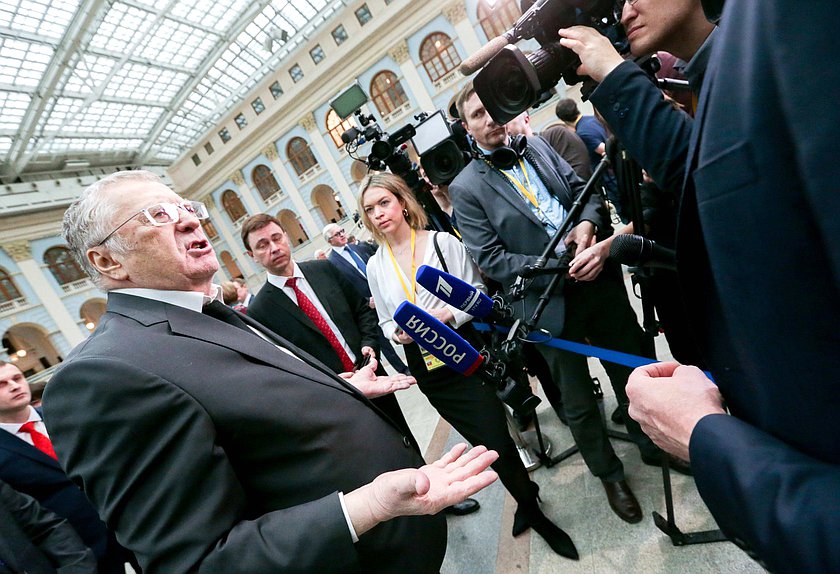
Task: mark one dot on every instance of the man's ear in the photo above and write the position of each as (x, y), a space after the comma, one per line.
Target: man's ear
(103, 260)
(250, 253)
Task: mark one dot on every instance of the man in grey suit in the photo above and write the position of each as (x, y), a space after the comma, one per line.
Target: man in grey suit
(207, 442)
(507, 215)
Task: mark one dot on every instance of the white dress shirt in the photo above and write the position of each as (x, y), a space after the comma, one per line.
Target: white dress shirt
(26, 437)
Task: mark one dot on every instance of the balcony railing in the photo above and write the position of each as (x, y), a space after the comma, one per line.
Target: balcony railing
(76, 286)
(13, 305)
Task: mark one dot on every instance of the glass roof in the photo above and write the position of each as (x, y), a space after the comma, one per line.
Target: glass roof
(133, 80)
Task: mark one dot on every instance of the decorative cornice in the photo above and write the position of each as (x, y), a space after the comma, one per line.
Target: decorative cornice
(18, 250)
(237, 178)
(399, 53)
(455, 12)
(307, 122)
(271, 152)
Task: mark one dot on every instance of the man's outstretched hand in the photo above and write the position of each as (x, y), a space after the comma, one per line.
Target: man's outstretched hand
(372, 386)
(409, 492)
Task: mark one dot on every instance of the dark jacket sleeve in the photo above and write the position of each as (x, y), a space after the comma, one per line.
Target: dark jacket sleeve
(655, 133)
(365, 317)
(52, 535)
(759, 490)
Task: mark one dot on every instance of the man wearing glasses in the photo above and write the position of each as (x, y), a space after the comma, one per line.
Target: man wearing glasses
(207, 442)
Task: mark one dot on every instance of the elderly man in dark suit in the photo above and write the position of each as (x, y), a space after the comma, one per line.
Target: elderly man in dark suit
(211, 444)
(28, 464)
(351, 259)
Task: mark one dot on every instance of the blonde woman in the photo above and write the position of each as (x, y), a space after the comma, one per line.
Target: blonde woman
(392, 214)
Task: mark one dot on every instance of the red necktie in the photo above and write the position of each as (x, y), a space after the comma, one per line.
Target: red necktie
(41, 441)
(311, 311)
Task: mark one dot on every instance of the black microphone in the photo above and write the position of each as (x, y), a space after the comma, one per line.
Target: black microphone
(635, 250)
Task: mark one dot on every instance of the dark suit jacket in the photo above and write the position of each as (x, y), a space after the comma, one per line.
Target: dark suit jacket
(501, 232)
(30, 471)
(760, 261)
(350, 312)
(208, 449)
(359, 281)
(36, 541)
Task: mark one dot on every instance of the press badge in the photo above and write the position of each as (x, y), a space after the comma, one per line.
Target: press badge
(430, 360)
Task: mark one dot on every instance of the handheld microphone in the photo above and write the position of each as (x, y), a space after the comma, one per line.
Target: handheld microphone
(438, 339)
(454, 291)
(635, 250)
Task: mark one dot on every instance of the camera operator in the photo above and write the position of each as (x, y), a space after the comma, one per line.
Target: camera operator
(506, 215)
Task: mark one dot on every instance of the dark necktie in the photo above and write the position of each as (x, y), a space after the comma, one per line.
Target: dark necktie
(361, 264)
(311, 311)
(41, 441)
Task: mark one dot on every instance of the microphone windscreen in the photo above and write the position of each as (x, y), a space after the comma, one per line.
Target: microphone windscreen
(476, 61)
(454, 291)
(628, 249)
(438, 339)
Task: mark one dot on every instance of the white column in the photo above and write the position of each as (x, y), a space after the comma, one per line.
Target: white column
(252, 204)
(456, 13)
(44, 290)
(234, 243)
(400, 55)
(287, 184)
(308, 123)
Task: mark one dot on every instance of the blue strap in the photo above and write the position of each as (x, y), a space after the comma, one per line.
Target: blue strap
(617, 357)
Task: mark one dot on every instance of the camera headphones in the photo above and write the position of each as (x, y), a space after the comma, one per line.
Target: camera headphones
(506, 157)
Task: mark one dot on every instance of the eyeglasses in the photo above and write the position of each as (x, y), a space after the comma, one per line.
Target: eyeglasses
(164, 214)
(340, 233)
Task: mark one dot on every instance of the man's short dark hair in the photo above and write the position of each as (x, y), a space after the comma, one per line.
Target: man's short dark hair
(462, 97)
(255, 223)
(567, 110)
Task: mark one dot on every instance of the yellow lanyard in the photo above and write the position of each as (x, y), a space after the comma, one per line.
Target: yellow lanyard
(410, 295)
(528, 193)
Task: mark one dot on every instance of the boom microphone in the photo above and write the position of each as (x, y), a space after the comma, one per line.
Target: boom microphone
(438, 339)
(454, 291)
(476, 61)
(635, 250)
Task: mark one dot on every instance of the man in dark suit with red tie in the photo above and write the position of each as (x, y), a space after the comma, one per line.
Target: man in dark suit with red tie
(28, 464)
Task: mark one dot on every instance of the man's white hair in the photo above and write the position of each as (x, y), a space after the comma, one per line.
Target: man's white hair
(90, 218)
(329, 230)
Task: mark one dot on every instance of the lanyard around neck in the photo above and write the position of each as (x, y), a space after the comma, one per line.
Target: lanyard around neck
(409, 295)
(527, 192)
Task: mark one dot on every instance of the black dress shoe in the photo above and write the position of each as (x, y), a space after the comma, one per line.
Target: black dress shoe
(675, 464)
(616, 416)
(530, 516)
(623, 501)
(468, 506)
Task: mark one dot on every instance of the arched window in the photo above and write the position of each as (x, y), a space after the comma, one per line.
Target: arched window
(233, 205)
(325, 198)
(265, 182)
(439, 56)
(230, 264)
(336, 127)
(498, 19)
(62, 265)
(294, 229)
(8, 289)
(386, 92)
(209, 229)
(359, 169)
(300, 155)
(29, 348)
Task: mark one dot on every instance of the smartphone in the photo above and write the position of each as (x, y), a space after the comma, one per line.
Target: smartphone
(362, 361)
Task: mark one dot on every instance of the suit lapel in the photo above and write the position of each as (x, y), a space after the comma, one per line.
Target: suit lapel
(278, 298)
(322, 286)
(20, 447)
(499, 185)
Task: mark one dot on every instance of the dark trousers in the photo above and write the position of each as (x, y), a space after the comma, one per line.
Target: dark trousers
(597, 312)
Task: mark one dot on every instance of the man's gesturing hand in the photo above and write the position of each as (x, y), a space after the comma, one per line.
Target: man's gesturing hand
(668, 400)
(371, 386)
(409, 492)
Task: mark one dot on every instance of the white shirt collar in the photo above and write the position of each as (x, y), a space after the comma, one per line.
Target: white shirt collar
(192, 300)
(280, 280)
(14, 428)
